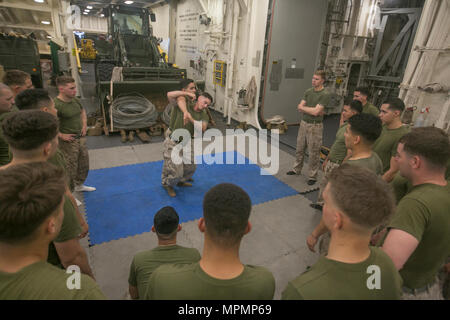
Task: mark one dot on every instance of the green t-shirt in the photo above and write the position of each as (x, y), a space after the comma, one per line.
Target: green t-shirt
(338, 149)
(334, 280)
(373, 163)
(403, 186)
(424, 213)
(190, 282)
(70, 228)
(371, 109)
(313, 98)
(144, 263)
(386, 144)
(42, 281)
(69, 115)
(5, 155)
(176, 118)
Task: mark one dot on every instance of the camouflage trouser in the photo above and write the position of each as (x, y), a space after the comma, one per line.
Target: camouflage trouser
(330, 166)
(173, 173)
(77, 160)
(309, 135)
(433, 292)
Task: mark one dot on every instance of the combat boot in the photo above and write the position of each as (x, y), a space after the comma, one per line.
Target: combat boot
(124, 136)
(131, 136)
(184, 184)
(170, 191)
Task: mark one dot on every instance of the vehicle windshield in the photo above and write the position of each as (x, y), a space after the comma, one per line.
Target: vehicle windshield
(128, 24)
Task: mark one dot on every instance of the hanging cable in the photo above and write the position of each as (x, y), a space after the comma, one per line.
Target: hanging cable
(133, 112)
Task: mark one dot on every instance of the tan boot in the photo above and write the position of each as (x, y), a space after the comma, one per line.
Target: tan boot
(124, 136)
(170, 191)
(131, 136)
(184, 184)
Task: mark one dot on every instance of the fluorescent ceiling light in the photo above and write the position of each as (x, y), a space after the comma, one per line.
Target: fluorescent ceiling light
(45, 22)
(89, 7)
(85, 13)
(87, 10)
(39, 1)
(102, 15)
(129, 2)
(49, 37)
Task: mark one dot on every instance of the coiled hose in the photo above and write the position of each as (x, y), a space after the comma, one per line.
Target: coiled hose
(165, 116)
(133, 112)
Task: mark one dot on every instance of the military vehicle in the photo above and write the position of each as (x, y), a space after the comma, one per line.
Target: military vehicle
(21, 52)
(131, 45)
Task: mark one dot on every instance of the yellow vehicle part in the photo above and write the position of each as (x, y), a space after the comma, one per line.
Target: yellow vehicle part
(166, 57)
(87, 50)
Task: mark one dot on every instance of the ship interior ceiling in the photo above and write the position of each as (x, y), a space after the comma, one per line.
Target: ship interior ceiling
(243, 53)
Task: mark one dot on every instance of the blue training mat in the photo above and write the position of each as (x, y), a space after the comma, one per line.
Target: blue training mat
(128, 197)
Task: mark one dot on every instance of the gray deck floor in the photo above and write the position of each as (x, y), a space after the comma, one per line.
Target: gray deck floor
(277, 240)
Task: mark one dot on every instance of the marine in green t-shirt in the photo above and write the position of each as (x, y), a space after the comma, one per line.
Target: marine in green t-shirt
(372, 163)
(402, 186)
(177, 122)
(418, 238)
(362, 95)
(338, 150)
(362, 131)
(333, 280)
(424, 214)
(24, 273)
(190, 282)
(386, 144)
(42, 281)
(219, 274)
(314, 98)
(69, 114)
(70, 228)
(144, 263)
(371, 109)
(352, 269)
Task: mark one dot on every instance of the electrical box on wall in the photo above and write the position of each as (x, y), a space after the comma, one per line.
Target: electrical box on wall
(220, 72)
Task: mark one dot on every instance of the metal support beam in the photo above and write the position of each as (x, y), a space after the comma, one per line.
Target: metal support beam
(26, 26)
(398, 49)
(243, 6)
(24, 6)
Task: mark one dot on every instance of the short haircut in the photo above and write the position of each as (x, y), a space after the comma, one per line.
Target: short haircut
(226, 210)
(15, 78)
(207, 96)
(321, 73)
(28, 130)
(428, 142)
(33, 99)
(355, 105)
(367, 126)
(63, 80)
(166, 221)
(395, 104)
(364, 91)
(185, 82)
(29, 194)
(374, 203)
